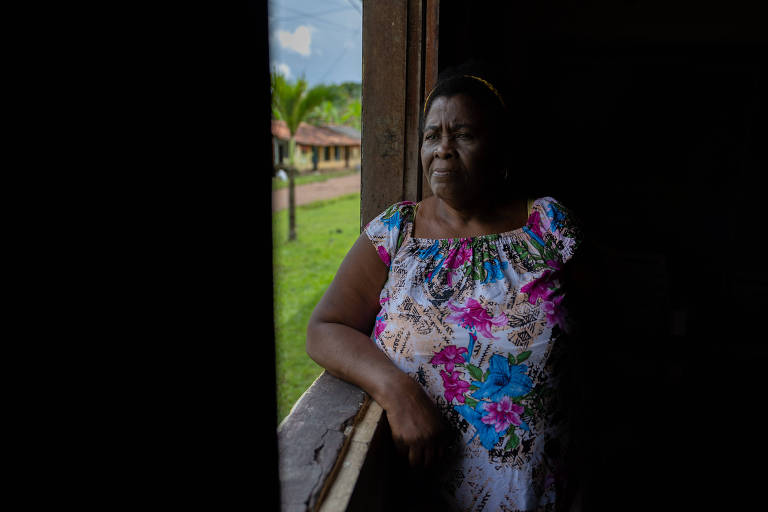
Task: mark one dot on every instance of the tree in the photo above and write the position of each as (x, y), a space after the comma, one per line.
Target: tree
(326, 113)
(353, 114)
(292, 102)
(344, 109)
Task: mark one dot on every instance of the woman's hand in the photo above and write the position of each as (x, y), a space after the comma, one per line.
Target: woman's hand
(417, 427)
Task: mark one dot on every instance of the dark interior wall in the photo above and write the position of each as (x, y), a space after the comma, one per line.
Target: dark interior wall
(648, 119)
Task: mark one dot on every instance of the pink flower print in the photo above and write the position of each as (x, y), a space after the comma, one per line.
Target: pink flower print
(555, 265)
(555, 314)
(449, 356)
(473, 315)
(457, 257)
(380, 326)
(384, 255)
(534, 222)
(503, 413)
(542, 287)
(454, 386)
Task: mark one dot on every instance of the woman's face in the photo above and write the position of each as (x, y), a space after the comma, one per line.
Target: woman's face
(457, 150)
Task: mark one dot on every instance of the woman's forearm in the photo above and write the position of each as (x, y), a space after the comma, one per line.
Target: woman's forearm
(352, 356)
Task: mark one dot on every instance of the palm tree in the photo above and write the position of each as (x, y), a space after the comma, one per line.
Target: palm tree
(291, 102)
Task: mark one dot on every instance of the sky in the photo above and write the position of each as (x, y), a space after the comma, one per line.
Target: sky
(320, 39)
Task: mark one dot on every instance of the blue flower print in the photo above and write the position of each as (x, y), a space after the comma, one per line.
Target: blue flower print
(493, 270)
(504, 379)
(533, 235)
(440, 260)
(471, 346)
(393, 221)
(430, 251)
(556, 216)
(486, 432)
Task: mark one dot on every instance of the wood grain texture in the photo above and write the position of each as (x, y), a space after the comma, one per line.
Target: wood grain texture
(350, 467)
(313, 437)
(414, 88)
(384, 69)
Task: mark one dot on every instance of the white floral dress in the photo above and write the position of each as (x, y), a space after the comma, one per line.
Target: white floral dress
(479, 323)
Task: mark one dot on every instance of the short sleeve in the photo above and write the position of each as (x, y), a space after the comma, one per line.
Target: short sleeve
(387, 229)
(558, 222)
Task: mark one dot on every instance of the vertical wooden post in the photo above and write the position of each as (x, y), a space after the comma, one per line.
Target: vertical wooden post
(413, 99)
(396, 38)
(431, 45)
(432, 34)
(384, 60)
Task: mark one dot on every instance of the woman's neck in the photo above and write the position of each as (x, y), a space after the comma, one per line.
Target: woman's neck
(441, 219)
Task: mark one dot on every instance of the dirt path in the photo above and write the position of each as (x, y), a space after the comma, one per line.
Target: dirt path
(311, 192)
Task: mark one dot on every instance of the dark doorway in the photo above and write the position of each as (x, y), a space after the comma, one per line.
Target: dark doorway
(649, 121)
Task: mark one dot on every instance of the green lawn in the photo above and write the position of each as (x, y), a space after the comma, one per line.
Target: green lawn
(303, 270)
(311, 177)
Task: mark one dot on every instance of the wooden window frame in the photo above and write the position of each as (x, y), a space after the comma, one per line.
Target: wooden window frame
(400, 45)
(334, 428)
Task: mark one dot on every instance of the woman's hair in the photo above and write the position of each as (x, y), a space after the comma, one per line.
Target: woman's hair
(476, 80)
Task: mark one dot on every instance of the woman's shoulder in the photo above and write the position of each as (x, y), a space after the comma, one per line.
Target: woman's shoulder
(550, 216)
(552, 213)
(387, 230)
(548, 203)
(393, 217)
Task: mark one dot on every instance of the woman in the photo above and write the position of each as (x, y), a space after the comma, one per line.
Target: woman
(462, 295)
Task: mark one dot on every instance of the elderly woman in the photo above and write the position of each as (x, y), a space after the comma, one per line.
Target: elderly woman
(450, 313)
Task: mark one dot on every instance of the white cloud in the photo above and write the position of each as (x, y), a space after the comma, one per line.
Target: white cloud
(284, 69)
(349, 44)
(299, 41)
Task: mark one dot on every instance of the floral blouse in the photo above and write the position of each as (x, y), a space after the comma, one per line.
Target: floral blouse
(478, 323)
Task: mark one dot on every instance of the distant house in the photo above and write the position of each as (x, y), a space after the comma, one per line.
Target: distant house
(326, 147)
(344, 130)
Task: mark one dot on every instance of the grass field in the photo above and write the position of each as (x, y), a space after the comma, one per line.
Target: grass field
(303, 270)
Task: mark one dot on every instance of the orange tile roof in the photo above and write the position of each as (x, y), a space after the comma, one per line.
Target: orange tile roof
(308, 135)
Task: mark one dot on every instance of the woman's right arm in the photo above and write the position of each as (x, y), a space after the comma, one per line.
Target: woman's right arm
(338, 339)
